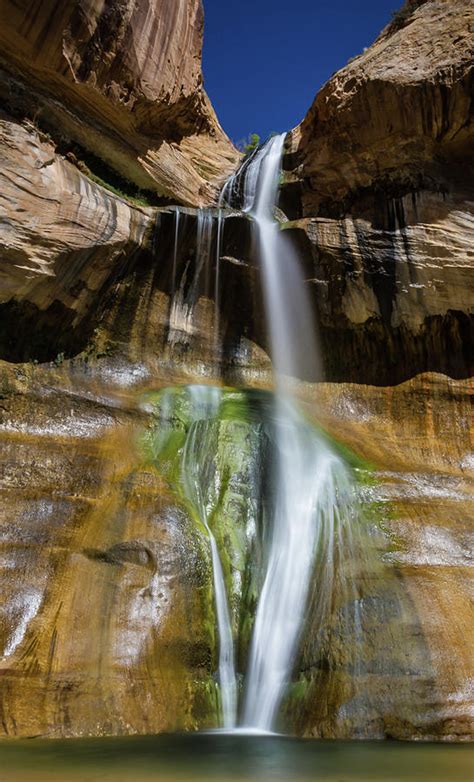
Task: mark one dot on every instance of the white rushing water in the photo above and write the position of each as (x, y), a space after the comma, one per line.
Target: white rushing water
(185, 295)
(312, 498)
(311, 525)
(205, 402)
(312, 482)
(220, 231)
(289, 316)
(196, 479)
(306, 529)
(175, 251)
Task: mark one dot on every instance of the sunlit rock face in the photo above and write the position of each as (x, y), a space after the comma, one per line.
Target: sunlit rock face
(107, 623)
(106, 617)
(62, 239)
(379, 178)
(123, 80)
(413, 677)
(397, 116)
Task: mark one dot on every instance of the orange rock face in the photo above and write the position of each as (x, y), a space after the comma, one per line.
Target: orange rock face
(123, 80)
(396, 118)
(380, 180)
(413, 677)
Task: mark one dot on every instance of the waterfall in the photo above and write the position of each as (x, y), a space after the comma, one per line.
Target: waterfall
(197, 479)
(312, 497)
(313, 484)
(273, 532)
(288, 310)
(184, 296)
(310, 527)
(205, 401)
(175, 250)
(220, 230)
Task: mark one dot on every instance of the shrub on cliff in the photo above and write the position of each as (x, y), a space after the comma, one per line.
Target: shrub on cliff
(248, 144)
(401, 17)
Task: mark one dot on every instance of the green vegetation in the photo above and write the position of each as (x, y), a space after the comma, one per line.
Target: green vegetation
(217, 460)
(249, 144)
(92, 166)
(139, 199)
(401, 17)
(99, 172)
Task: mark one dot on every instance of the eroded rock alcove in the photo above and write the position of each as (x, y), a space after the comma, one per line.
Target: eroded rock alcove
(107, 623)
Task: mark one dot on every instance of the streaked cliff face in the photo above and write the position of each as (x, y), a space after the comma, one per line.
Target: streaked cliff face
(123, 80)
(396, 119)
(107, 623)
(379, 188)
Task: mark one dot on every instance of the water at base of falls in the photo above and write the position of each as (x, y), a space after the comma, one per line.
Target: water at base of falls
(195, 757)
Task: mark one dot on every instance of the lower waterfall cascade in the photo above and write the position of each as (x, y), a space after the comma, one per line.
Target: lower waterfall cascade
(295, 531)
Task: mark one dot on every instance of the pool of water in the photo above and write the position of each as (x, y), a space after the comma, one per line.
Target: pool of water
(221, 757)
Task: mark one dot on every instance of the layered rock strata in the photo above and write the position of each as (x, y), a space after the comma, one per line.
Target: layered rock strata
(107, 623)
(380, 177)
(396, 118)
(63, 238)
(413, 678)
(86, 272)
(123, 80)
(107, 587)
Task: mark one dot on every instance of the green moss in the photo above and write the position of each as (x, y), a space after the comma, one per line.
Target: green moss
(217, 463)
(205, 703)
(139, 199)
(298, 690)
(212, 464)
(7, 388)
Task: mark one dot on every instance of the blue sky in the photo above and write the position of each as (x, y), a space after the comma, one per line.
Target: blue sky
(264, 60)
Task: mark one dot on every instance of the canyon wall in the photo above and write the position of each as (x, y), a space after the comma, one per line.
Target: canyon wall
(379, 183)
(377, 192)
(119, 83)
(107, 625)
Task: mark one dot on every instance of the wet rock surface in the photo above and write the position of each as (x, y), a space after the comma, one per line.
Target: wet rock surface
(107, 624)
(415, 606)
(107, 590)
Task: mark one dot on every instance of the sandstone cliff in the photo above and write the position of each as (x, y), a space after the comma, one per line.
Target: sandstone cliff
(107, 625)
(83, 270)
(123, 80)
(396, 119)
(107, 620)
(380, 181)
(63, 240)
